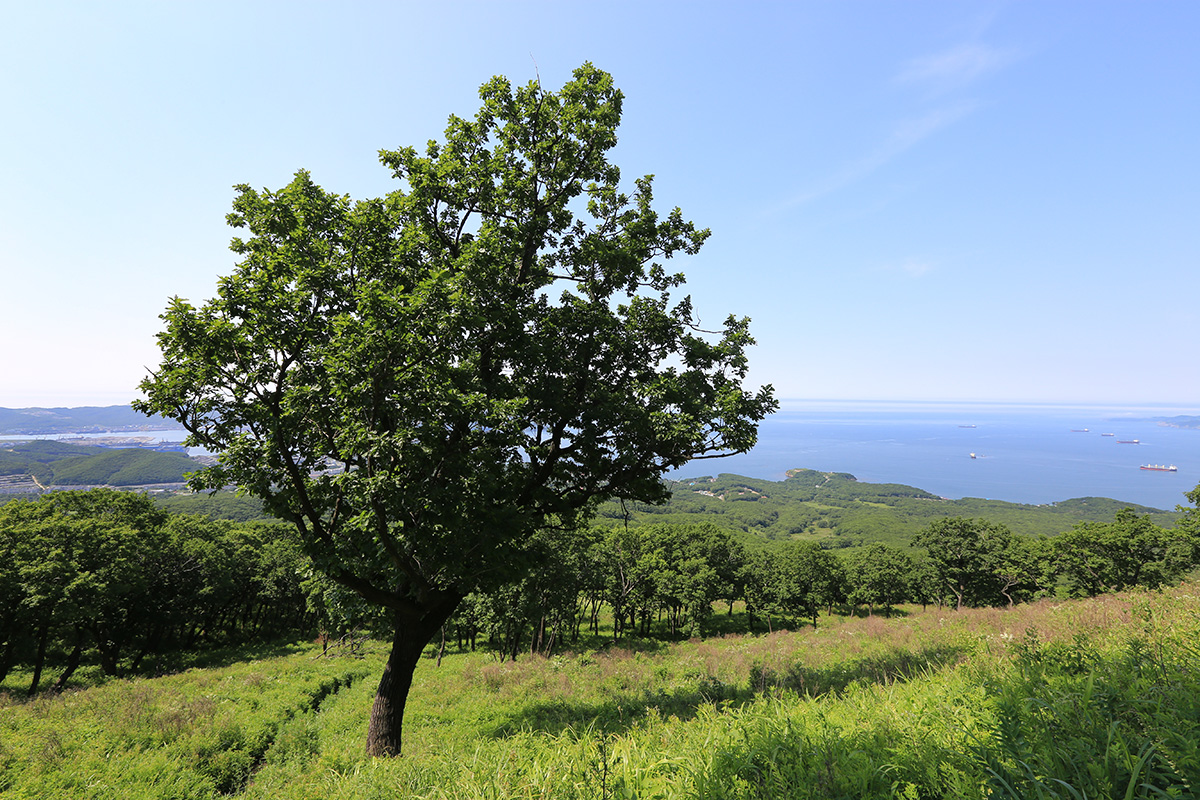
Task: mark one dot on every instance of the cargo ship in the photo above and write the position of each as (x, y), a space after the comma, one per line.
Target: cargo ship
(1160, 468)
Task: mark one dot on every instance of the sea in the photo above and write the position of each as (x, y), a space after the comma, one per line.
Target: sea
(1023, 453)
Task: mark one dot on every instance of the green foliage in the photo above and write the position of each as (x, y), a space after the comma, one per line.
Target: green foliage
(1076, 721)
(199, 734)
(879, 575)
(124, 467)
(35, 457)
(807, 578)
(105, 578)
(422, 382)
(968, 557)
(1130, 551)
(215, 505)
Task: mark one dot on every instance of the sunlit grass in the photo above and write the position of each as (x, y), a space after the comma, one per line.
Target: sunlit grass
(1096, 698)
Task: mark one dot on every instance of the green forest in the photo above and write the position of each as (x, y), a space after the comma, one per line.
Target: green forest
(55, 464)
(836, 510)
(179, 655)
(110, 579)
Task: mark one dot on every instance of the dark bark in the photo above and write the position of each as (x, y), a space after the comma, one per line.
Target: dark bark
(152, 643)
(413, 632)
(515, 642)
(108, 650)
(72, 661)
(40, 658)
(6, 659)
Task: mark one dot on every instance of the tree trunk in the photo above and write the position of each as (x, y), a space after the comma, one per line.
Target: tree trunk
(413, 632)
(6, 659)
(40, 658)
(72, 661)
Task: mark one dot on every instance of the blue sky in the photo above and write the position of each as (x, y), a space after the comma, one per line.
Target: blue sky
(912, 201)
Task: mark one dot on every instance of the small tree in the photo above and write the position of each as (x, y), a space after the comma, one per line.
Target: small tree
(967, 556)
(1027, 569)
(421, 382)
(807, 578)
(1098, 557)
(879, 575)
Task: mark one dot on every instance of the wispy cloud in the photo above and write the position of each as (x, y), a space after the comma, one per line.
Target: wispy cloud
(955, 68)
(911, 267)
(937, 74)
(904, 135)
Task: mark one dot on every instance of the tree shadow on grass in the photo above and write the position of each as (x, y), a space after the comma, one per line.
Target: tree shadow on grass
(89, 674)
(621, 711)
(227, 655)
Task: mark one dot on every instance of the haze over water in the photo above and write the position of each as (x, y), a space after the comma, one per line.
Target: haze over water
(1025, 453)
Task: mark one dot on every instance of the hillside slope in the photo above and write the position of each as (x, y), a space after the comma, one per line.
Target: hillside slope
(837, 510)
(1096, 698)
(57, 464)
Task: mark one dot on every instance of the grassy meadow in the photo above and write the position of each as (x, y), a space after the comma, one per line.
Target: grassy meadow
(1095, 698)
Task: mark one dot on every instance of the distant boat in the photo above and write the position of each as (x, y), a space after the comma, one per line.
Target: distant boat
(1160, 468)
(1108, 434)
(1079, 430)
(973, 455)
(967, 426)
(1128, 441)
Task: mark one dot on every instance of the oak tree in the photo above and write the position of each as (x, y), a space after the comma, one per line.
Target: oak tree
(422, 381)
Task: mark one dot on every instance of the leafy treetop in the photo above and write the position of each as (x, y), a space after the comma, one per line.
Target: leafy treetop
(420, 382)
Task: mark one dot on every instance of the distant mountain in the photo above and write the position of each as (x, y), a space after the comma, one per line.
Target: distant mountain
(88, 419)
(1179, 422)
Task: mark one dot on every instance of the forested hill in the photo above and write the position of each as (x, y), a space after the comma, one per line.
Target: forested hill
(45, 463)
(832, 508)
(837, 510)
(87, 419)
(1192, 423)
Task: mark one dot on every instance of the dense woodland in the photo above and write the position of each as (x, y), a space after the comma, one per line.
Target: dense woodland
(57, 464)
(122, 584)
(104, 578)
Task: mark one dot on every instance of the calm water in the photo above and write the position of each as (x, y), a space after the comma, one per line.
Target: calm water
(1025, 454)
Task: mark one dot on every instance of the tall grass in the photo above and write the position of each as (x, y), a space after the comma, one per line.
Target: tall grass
(196, 734)
(1088, 699)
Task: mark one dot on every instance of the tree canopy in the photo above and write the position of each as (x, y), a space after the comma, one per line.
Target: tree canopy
(423, 381)
(968, 557)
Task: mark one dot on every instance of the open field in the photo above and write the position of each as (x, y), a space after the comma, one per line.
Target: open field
(1093, 698)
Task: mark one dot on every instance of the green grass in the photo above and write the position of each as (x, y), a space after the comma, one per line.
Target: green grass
(1084, 699)
(196, 734)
